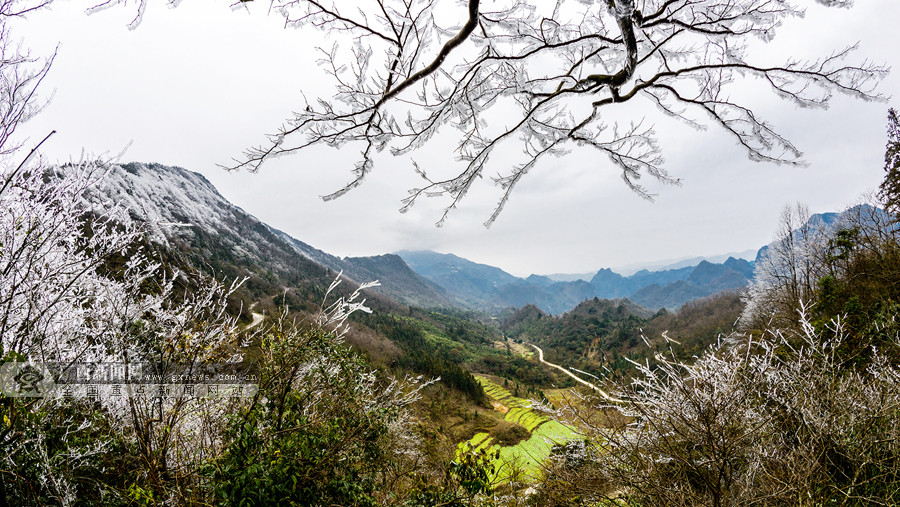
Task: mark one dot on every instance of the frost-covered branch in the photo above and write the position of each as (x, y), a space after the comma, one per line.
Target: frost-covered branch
(542, 77)
(333, 316)
(755, 420)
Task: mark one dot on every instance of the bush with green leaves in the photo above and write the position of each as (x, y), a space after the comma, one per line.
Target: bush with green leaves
(323, 429)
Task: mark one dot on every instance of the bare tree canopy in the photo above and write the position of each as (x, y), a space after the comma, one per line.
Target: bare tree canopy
(545, 77)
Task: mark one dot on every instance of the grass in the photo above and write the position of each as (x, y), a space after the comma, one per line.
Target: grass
(522, 461)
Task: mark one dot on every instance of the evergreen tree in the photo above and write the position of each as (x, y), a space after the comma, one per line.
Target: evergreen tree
(889, 191)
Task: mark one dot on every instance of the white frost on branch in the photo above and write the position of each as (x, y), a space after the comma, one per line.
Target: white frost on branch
(542, 77)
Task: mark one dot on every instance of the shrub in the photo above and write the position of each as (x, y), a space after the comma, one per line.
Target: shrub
(781, 419)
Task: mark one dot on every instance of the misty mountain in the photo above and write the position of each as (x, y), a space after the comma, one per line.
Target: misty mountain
(490, 288)
(474, 285)
(669, 296)
(456, 273)
(183, 210)
(610, 284)
(543, 281)
(397, 280)
(568, 277)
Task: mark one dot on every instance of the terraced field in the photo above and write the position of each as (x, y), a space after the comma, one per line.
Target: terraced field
(524, 458)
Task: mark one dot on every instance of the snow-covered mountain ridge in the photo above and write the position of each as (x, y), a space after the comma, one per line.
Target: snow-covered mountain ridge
(184, 211)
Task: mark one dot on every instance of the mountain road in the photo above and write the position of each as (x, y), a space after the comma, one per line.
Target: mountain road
(601, 392)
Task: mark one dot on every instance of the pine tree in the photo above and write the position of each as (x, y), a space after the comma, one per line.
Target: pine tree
(889, 191)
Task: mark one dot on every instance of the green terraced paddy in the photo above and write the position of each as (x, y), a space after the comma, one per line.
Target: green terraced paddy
(527, 455)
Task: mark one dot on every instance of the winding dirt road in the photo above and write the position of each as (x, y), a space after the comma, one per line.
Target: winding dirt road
(601, 392)
(257, 318)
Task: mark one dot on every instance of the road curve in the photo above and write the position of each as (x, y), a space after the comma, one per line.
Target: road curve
(257, 318)
(601, 392)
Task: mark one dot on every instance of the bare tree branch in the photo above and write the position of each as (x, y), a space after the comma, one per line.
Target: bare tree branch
(542, 77)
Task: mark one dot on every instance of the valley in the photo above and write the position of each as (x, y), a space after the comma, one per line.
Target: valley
(518, 462)
(442, 317)
(451, 382)
(162, 345)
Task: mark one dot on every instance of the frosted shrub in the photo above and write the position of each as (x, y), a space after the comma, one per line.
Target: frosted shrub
(788, 271)
(76, 287)
(324, 428)
(333, 316)
(782, 419)
(54, 247)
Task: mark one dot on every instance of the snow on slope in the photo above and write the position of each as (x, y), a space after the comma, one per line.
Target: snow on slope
(168, 198)
(183, 207)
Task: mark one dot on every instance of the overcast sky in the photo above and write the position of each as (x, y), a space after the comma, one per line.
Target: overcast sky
(195, 85)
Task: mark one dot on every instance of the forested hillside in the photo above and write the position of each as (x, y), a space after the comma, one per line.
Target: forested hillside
(600, 333)
(359, 399)
(175, 275)
(160, 346)
(800, 402)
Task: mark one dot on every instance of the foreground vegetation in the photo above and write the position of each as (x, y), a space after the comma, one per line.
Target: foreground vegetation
(320, 427)
(784, 411)
(799, 406)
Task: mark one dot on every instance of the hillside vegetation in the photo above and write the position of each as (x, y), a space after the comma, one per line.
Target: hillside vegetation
(344, 396)
(159, 346)
(361, 400)
(801, 406)
(601, 333)
(348, 407)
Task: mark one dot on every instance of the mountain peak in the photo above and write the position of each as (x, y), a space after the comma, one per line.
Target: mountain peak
(183, 209)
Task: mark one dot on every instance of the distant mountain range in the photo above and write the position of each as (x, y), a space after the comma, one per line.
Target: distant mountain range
(184, 210)
(490, 288)
(397, 280)
(683, 263)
